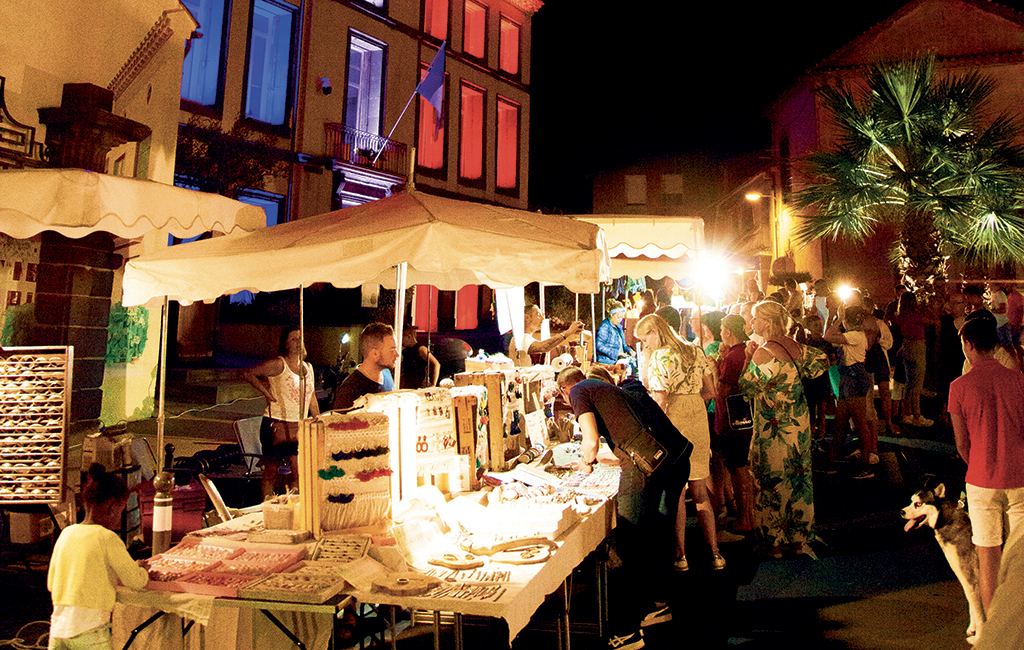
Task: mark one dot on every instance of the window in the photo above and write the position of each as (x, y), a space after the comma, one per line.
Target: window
(274, 206)
(508, 44)
(508, 144)
(636, 190)
(13, 298)
(672, 189)
(31, 271)
(435, 18)
(474, 30)
(270, 62)
(365, 94)
(430, 140)
(203, 70)
(471, 133)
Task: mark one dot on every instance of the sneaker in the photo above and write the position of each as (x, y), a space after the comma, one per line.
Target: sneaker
(660, 615)
(854, 454)
(865, 474)
(922, 421)
(632, 641)
(717, 562)
(873, 459)
(681, 565)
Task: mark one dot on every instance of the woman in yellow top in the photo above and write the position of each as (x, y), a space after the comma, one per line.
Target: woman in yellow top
(88, 560)
(678, 378)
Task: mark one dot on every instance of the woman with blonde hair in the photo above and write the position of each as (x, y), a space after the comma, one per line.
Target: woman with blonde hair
(780, 451)
(678, 378)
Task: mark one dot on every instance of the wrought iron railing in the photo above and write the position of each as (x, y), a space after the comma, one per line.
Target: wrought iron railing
(359, 148)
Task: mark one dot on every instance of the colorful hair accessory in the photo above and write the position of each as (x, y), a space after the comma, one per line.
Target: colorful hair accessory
(331, 472)
(348, 425)
(617, 310)
(340, 498)
(369, 475)
(365, 453)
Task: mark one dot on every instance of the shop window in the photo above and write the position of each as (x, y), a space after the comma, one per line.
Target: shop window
(435, 18)
(202, 72)
(430, 149)
(365, 90)
(636, 189)
(508, 44)
(474, 30)
(508, 144)
(471, 133)
(267, 91)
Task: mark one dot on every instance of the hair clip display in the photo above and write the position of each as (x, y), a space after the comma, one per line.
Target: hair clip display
(331, 472)
(340, 498)
(365, 453)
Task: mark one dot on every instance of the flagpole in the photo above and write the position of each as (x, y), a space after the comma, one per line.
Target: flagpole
(440, 53)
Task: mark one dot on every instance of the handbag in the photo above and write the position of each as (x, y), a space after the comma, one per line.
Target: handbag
(738, 415)
(657, 442)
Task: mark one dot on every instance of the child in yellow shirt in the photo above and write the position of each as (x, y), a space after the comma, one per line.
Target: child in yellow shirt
(87, 562)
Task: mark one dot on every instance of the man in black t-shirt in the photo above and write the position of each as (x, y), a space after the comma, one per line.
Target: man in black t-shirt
(379, 349)
(603, 409)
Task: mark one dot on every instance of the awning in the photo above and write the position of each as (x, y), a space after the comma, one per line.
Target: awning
(75, 202)
(645, 245)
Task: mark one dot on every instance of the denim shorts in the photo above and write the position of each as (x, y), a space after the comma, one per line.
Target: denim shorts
(854, 381)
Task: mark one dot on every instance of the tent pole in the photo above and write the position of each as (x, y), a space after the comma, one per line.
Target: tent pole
(401, 272)
(162, 375)
(303, 412)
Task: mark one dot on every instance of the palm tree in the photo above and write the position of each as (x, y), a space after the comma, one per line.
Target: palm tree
(922, 154)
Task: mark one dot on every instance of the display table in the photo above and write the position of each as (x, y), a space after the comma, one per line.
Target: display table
(529, 585)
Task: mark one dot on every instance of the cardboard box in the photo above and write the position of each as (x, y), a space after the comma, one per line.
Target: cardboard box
(30, 527)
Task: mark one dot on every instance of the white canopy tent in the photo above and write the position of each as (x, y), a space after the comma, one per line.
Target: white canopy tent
(645, 245)
(75, 202)
(407, 238)
(446, 243)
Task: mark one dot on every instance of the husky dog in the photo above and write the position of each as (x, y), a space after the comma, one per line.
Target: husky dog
(930, 506)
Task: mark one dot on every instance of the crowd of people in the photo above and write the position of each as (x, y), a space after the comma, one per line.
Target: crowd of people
(752, 387)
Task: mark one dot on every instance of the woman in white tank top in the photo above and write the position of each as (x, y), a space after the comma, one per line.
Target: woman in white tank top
(279, 380)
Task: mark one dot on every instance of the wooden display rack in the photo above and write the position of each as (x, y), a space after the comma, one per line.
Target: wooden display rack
(35, 408)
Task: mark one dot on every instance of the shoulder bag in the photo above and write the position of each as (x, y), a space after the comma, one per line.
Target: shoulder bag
(657, 442)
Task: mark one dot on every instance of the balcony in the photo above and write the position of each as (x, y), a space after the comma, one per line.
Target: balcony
(355, 147)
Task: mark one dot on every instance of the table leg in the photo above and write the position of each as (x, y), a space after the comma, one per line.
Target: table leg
(288, 633)
(457, 631)
(601, 582)
(437, 630)
(149, 621)
(563, 619)
(394, 627)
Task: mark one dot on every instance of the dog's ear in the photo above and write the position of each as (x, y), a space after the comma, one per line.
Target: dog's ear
(940, 491)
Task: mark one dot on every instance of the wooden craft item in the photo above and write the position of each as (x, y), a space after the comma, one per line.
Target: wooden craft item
(279, 536)
(512, 544)
(405, 584)
(458, 561)
(294, 588)
(523, 555)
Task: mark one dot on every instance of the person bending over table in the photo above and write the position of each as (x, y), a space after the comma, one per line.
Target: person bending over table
(603, 409)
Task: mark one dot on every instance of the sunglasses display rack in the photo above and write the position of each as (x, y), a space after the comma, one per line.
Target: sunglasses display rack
(35, 391)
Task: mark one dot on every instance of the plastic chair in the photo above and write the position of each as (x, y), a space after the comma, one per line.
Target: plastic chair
(247, 432)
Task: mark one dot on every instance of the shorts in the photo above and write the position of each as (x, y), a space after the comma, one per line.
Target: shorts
(995, 513)
(95, 639)
(280, 451)
(877, 364)
(854, 381)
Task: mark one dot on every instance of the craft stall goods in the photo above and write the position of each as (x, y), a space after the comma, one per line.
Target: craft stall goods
(347, 480)
(213, 569)
(424, 439)
(35, 385)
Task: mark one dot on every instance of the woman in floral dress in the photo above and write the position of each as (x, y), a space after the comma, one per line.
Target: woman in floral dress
(780, 451)
(679, 380)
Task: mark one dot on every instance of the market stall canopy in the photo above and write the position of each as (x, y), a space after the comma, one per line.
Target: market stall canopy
(644, 245)
(75, 202)
(447, 243)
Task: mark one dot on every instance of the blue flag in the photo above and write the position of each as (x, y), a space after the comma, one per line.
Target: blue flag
(432, 86)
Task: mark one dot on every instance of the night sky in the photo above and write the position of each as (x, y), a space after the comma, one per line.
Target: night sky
(613, 84)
